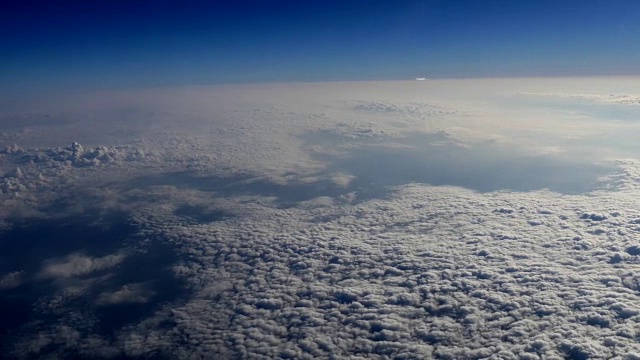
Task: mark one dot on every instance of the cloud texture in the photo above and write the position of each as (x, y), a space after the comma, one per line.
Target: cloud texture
(278, 253)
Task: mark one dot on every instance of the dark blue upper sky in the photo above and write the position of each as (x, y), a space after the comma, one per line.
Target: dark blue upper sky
(118, 43)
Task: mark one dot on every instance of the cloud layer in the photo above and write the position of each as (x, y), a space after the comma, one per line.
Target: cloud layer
(249, 241)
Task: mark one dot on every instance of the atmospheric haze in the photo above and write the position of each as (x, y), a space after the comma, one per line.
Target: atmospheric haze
(453, 219)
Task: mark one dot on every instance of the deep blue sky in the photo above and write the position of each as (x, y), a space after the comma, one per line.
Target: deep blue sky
(116, 43)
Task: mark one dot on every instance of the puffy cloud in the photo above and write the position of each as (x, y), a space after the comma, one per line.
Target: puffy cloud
(390, 278)
(11, 280)
(78, 265)
(127, 294)
(283, 256)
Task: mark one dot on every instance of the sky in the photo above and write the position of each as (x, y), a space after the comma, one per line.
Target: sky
(76, 45)
(304, 209)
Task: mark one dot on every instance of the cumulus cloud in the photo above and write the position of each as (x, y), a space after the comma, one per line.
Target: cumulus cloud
(432, 272)
(416, 271)
(127, 294)
(385, 289)
(78, 265)
(11, 280)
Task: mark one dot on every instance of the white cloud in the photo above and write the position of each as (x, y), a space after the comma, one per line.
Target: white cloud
(427, 272)
(11, 280)
(416, 272)
(127, 294)
(78, 265)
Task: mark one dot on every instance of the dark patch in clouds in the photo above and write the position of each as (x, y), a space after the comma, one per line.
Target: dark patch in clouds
(435, 159)
(47, 239)
(93, 274)
(201, 214)
(286, 194)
